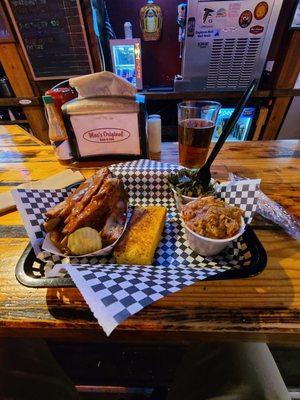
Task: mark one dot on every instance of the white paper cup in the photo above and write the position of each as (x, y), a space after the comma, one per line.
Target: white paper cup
(206, 246)
(181, 199)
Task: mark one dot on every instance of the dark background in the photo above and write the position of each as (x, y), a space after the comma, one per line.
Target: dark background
(160, 58)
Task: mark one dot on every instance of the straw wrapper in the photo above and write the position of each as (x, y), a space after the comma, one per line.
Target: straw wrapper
(115, 292)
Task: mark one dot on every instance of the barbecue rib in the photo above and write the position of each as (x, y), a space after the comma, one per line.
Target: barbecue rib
(99, 203)
(64, 208)
(95, 213)
(93, 188)
(114, 224)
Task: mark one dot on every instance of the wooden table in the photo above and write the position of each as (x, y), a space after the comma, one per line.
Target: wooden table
(265, 308)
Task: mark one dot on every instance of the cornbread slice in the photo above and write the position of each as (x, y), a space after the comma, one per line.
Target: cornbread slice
(142, 236)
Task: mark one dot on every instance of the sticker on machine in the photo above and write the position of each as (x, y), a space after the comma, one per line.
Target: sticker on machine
(221, 13)
(203, 45)
(245, 19)
(234, 10)
(207, 33)
(256, 29)
(191, 26)
(261, 10)
(207, 16)
(229, 29)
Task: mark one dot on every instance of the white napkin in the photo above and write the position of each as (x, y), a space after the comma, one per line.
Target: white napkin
(103, 83)
(57, 181)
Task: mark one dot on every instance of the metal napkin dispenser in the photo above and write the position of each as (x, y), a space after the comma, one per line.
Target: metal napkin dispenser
(111, 126)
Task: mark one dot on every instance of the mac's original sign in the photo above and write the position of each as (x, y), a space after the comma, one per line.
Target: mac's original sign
(106, 135)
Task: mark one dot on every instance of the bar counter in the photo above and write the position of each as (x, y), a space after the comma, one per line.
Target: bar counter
(264, 308)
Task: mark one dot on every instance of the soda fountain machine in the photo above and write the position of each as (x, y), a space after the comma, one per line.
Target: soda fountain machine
(226, 43)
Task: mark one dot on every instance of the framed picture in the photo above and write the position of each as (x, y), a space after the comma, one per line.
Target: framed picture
(295, 23)
(6, 35)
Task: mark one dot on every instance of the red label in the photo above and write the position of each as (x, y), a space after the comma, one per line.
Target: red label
(256, 29)
(106, 135)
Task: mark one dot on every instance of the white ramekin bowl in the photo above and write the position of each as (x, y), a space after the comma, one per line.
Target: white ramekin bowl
(206, 246)
(180, 199)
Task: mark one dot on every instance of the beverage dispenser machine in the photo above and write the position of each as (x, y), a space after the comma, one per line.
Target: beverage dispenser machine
(226, 43)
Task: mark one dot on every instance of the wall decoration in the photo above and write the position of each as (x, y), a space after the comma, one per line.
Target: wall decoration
(151, 21)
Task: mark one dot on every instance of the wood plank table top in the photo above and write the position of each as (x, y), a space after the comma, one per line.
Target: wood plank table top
(264, 308)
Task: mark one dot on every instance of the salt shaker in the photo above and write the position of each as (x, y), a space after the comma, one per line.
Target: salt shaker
(154, 133)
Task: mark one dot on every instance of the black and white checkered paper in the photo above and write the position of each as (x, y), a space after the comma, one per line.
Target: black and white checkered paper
(115, 292)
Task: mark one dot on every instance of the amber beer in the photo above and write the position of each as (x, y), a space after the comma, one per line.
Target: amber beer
(194, 137)
(196, 124)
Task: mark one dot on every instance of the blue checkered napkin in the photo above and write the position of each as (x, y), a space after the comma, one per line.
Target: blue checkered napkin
(243, 194)
(114, 292)
(32, 204)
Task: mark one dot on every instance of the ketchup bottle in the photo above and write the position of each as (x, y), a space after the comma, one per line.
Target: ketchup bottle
(57, 132)
(61, 95)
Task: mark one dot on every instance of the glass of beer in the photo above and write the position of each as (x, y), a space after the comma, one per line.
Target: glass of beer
(196, 124)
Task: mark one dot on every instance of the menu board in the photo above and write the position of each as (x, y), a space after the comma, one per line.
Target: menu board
(53, 37)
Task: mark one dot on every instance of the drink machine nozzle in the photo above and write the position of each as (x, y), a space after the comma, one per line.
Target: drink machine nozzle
(181, 21)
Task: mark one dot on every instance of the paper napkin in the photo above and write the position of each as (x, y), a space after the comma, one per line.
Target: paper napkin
(57, 181)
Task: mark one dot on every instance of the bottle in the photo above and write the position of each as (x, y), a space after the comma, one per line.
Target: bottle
(128, 30)
(57, 133)
(151, 21)
(154, 133)
(61, 95)
(5, 88)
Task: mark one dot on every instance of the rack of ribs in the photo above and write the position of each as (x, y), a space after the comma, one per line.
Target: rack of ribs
(100, 203)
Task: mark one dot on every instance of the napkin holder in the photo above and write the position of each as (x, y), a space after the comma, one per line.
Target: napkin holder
(106, 122)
